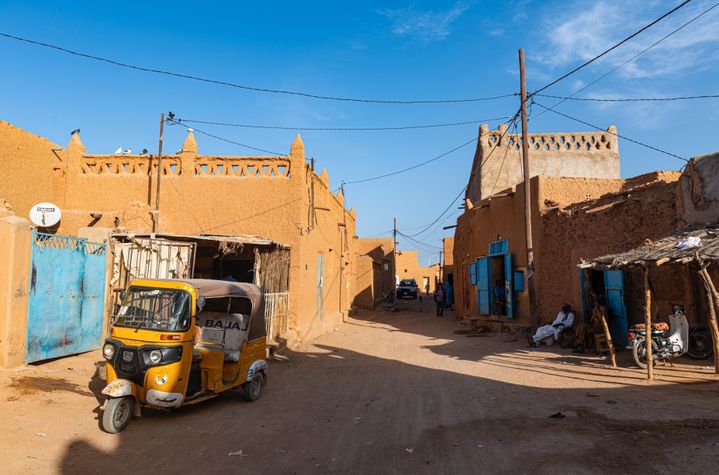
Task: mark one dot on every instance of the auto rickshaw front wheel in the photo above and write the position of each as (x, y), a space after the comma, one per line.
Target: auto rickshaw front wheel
(252, 390)
(118, 412)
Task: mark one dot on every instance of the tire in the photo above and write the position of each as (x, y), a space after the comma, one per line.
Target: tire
(118, 412)
(700, 345)
(639, 353)
(252, 390)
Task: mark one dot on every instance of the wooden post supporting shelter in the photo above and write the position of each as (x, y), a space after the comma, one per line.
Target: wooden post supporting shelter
(712, 304)
(612, 352)
(648, 324)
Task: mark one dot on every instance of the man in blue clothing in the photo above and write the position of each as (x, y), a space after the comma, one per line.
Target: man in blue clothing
(500, 298)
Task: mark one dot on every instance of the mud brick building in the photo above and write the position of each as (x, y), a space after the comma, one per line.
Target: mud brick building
(577, 213)
(278, 199)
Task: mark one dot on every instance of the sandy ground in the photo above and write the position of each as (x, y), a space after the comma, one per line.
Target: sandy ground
(387, 392)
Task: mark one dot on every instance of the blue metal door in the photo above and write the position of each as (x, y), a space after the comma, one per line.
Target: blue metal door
(66, 297)
(614, 291)
(483, 287)
(508, 284)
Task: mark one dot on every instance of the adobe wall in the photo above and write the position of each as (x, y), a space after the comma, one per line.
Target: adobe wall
(698, 198)
(644, 208)
(15, 249)
(448, 258)
(498, 160)
(502, 217)
(373, 282)
(332, 235)
(27, 167)
(233, 195)
(496, 218)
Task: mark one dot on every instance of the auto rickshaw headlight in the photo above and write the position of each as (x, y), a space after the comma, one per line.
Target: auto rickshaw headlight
(165, 355)
(108, 351)
(155, 356)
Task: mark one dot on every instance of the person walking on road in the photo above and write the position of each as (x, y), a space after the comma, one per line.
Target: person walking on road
(439, 297)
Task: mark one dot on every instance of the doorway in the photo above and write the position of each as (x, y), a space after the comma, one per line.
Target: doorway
(610, 284)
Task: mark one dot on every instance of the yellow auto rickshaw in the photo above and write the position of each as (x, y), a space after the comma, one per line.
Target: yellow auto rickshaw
(179, 342)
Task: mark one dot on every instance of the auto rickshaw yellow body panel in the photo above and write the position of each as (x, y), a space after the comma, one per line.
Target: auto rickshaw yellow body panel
(209, 366)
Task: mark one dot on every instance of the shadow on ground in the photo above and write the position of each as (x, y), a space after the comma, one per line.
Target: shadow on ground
(334, 409)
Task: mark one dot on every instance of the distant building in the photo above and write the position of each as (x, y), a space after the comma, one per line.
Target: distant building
(375, 271)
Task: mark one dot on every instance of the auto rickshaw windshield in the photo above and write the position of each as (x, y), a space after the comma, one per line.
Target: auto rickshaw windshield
(155, 309)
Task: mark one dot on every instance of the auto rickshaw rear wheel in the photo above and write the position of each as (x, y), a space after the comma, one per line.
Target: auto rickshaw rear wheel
(118, 412)
(252, 390)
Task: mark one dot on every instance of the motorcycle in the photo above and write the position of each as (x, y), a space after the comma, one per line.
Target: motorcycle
(668, 341)
(700, 344)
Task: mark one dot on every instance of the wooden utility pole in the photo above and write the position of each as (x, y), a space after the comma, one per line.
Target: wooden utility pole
(648, 324)
(527, 192)
(394, 254)
(156, 221)
(312, 194)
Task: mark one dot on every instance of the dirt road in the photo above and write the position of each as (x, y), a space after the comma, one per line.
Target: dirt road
(388, 392)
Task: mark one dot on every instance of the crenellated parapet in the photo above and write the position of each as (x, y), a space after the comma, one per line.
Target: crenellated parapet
(498, 159)
(558, 142)
(127, 165)
(239, 167)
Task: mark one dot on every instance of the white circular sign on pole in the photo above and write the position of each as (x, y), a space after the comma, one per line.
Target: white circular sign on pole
(45, 215)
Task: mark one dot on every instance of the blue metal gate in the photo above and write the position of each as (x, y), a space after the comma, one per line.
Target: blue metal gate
(483, 285)
(66, 296)
(614, 290)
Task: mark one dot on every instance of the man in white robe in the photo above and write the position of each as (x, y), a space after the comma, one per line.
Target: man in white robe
(550, 333)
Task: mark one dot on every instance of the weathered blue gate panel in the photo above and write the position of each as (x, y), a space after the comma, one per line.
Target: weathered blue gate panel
(66, 297)
(614, 289)
(93, 299)
(483, 285)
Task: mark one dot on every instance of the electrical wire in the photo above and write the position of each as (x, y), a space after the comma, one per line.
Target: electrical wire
(631, 99)
(668, 35)
(417, 241)
(353, 182)
(464, 188)
(217, 137)
(246, 87)
(342, 129)
(617, 45)
(506, 152)
(612, 133)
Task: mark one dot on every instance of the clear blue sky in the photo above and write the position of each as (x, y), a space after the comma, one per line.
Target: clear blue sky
(392, 50)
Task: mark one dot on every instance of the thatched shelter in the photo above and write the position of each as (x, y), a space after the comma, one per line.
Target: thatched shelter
(696, 247)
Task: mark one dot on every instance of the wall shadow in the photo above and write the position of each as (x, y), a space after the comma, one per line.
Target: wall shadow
(334, 410)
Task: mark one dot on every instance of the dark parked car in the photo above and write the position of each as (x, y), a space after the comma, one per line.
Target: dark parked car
(407, 288)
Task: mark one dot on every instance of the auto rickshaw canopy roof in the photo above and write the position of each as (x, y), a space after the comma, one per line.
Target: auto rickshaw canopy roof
(214, 289)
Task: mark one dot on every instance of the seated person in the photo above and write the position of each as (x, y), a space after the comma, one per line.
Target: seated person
(594, 327)
(550, 333)
(500, 297)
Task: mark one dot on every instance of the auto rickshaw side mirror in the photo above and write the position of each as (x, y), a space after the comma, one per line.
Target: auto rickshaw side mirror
(200, 302)
(123, 293)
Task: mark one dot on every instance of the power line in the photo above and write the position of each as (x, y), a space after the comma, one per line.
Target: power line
(668, 35)
(343, 129)
(631, 99)
(246, 87)
(612, 133)
(464, 188)
(506, 152)
(587, 63)
(217, 137)
(417, 241)
(474, 139)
